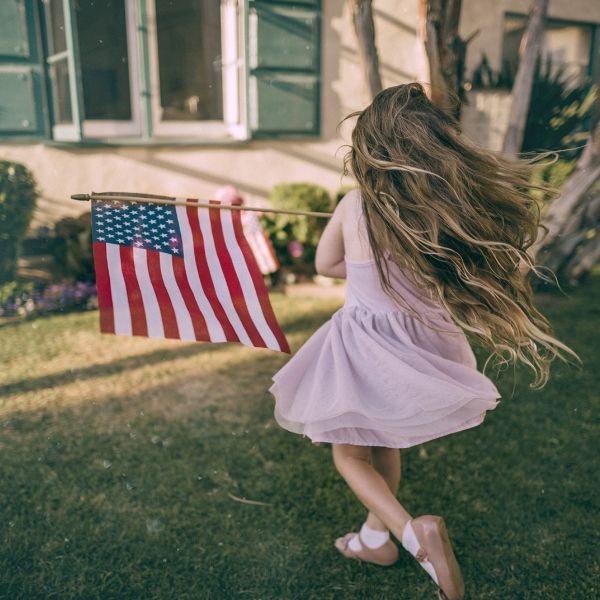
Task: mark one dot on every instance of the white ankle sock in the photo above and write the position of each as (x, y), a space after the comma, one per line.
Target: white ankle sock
(412, 545)
(373, 538)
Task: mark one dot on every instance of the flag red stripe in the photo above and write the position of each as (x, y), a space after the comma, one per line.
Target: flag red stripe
(259, 284)
(205, 277)
(198, 321)
(139, 326)
(105, 303)
(233, 283)
(164, 301)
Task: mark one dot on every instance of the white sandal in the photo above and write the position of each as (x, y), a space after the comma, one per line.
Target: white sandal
(426, 538)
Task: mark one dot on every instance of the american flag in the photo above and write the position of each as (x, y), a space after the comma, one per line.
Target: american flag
(180, 272)
(259, 243)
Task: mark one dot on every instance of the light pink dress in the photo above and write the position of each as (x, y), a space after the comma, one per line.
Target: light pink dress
(374, 375)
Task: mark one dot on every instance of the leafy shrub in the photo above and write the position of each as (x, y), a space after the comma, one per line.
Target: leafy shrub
(18, 196)
(295, 237)
(484, 77)
(557, 173)
(559, 111)
(71, 247)
(14, 297)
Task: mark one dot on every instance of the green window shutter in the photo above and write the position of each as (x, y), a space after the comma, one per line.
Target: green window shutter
(284, 68)
(22, 101)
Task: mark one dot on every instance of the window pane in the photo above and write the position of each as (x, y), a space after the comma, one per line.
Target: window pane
(61, 97)
(569, 46)
(189, 57)
(566, 45)
(104, 60)
(55, 23)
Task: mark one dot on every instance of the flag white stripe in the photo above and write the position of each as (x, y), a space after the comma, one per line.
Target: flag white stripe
(267, 249)
(122, 314)
(218, 278)
(151, 308)
(262, 253)
(257, 251)
(213, 325)
(248, 289)
(182, 315)
(269, 262)
(259, 243)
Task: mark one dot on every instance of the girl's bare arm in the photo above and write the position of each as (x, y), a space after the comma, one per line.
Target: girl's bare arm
(329, 258)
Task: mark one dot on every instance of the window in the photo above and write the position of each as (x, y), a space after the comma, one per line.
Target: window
(108, 65)
(22, 100)
(568, 45)
(60, 69)
(194, 68)
(189, 65)
(145, 71)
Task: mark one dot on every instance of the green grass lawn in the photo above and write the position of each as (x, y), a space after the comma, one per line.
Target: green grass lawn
(123, 461)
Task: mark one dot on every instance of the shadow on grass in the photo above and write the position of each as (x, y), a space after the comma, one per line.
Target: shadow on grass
(107, 501)
(32, 384)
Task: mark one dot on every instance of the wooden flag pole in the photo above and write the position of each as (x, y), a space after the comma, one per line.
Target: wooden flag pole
(154, 199)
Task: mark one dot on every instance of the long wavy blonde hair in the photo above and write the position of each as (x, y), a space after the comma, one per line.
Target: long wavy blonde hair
(457, 219)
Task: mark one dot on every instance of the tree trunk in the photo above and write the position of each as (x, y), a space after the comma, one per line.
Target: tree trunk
(445, 52)
(521, 92)
(362, 16)
(570, 247)
(581, 264)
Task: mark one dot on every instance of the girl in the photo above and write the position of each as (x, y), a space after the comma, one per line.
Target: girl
(432, 244)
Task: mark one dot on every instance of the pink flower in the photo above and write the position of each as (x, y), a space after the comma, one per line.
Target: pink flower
(295, 248)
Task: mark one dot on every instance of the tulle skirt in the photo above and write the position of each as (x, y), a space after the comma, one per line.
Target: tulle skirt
(382, 379)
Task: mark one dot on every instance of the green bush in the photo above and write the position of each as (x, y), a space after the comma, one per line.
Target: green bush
(71, 247)
(18, 196)
(557, 173)
(15, 294)
(284, 229)
(554, 175)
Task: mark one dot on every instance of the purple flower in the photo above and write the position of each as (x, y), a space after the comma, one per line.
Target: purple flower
(25, 299)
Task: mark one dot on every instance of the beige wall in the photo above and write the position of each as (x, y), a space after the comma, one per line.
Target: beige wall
(255, 167)
(485, 117)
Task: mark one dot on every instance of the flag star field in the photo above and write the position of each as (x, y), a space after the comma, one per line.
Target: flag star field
(138, 225)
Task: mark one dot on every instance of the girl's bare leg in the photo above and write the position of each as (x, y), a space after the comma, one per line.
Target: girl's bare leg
(386, 461)
(369, 486)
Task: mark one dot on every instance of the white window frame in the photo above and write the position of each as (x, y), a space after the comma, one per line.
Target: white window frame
(102, 128)
(233, 124)
(68, 132)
